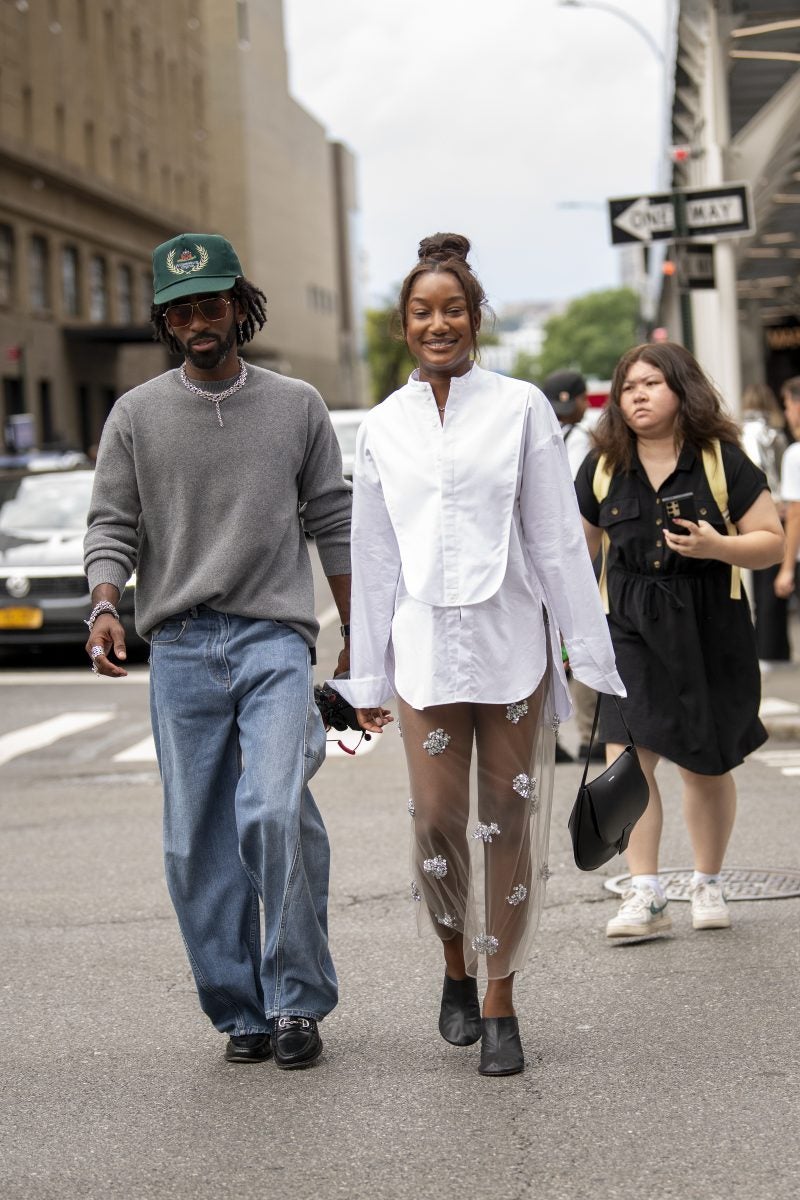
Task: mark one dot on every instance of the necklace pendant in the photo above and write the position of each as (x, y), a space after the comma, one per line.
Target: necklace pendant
(219, 413)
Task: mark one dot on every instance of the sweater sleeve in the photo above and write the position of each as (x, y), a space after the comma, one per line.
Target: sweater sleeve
(376, 571)
(112, 540)
(557, 548)
(325, 497)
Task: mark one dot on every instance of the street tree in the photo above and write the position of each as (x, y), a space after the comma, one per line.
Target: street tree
(591, 333)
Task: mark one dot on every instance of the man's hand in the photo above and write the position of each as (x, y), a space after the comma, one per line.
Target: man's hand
(373, 719)
(107, 635)
(784, 583)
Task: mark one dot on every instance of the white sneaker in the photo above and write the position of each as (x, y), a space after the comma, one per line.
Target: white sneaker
(709, 909)
(641, 913)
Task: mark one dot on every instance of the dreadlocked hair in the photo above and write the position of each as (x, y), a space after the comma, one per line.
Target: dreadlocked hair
(250, 301)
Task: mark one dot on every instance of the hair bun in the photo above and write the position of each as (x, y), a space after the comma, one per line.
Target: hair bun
(443, 246)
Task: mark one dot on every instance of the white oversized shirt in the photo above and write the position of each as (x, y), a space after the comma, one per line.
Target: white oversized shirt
(462, 531)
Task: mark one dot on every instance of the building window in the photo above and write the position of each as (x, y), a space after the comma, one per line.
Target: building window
(98, 288)
(6, 264)
(88, 144)
(124, 295)
(27, 114)
(61, 129)
(145, 295)
(116, 158)
(70, 285)
(45, 411)
(242, 24)
(39, 273)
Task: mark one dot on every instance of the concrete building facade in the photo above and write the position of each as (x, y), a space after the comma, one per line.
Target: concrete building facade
(122, 124)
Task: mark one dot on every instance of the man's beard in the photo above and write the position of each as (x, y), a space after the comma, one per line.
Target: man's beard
(207, 360)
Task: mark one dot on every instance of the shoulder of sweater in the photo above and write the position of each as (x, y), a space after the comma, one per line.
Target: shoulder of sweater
(287, 385)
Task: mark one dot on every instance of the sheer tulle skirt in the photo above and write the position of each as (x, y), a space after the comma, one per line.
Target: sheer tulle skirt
(481, 781)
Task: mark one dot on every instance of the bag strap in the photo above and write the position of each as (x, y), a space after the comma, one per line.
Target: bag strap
(594, 731)
(600, 486)
(715, 475)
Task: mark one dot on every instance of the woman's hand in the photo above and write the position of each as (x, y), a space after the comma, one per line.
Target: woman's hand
(784, 583)
(373, 719)
(701, 541)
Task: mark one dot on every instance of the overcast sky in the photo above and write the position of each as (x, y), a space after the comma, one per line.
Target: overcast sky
(480, 116)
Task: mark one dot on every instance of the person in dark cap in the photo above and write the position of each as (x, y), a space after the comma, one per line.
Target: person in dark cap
(200, 476)
(566, 391)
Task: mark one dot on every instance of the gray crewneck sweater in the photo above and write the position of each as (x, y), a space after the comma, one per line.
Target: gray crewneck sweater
(209, 515)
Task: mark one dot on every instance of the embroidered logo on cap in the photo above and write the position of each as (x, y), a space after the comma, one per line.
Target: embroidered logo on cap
(187, 263)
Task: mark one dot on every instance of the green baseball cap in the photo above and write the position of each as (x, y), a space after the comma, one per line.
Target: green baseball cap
(192, 263)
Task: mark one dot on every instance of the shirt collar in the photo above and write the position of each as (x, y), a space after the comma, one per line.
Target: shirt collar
(686, 460)
(457, 382)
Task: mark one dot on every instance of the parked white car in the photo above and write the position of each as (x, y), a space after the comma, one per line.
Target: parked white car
(345, 423)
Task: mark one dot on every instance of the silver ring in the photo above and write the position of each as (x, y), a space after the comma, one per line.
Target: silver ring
(96, 652)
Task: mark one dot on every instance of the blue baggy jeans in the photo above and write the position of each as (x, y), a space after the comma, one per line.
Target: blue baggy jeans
(238, 738)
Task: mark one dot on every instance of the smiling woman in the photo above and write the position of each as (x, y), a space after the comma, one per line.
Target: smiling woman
(467, 559)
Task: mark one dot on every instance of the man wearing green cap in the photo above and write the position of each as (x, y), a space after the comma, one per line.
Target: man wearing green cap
(201, 474)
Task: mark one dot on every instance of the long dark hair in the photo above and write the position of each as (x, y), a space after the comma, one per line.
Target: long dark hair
(446, 252)
(249, 299)
(700, 417)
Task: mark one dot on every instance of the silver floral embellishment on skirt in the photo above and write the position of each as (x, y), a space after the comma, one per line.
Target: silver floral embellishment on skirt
(523, 785)
(518, 894)
(484, 943)
(411, 809)
(556, 725)
(545, 872)
(436, 742)
(415, 892)
(450, 921)
(435, 866)
(486, 832)
(534, 802)
(515, 712)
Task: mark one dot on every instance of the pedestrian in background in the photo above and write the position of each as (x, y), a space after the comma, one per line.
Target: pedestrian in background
(199, 476)
(787, 580)
(680, 625)
(764, 440)
(567, 393)
(469, 566)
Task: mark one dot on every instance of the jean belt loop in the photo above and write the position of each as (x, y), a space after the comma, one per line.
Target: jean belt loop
(193, 611)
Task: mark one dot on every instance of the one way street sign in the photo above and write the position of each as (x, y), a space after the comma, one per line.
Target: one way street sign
(688, 213)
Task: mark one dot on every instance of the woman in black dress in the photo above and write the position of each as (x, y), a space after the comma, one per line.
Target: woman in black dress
(680, 624)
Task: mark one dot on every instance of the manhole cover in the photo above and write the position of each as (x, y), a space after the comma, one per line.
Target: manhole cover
(741, 883)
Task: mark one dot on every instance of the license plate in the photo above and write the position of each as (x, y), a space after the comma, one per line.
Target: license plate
(21, 618)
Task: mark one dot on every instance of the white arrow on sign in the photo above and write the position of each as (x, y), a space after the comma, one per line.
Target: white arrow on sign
(642, 219)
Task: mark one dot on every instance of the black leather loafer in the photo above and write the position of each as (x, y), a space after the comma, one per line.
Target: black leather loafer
(248, 1048)
(296, 1042)
(460, 1014)
(501, 1049)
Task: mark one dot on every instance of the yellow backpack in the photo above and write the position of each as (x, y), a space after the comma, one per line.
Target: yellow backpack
(715, 474)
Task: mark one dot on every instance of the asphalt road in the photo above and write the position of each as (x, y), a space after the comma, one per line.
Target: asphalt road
(660, 1069)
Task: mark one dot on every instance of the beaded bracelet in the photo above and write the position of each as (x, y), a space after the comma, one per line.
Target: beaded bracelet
(105, 606)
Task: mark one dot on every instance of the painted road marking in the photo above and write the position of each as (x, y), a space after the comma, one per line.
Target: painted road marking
(36, 737)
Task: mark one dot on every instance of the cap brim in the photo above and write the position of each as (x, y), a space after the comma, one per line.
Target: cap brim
(192, 286)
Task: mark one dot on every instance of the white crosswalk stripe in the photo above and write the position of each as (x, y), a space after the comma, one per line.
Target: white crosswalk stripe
(45, 733)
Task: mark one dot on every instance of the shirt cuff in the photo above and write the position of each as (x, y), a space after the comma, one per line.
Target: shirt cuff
(591, 665)
(369, 692)
(107, 570)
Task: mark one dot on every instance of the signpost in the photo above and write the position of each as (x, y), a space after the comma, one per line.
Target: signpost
(723, 211)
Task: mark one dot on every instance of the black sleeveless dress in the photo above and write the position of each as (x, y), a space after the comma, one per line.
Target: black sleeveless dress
(685, 650)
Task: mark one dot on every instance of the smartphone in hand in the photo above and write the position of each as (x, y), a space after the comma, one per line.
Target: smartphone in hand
(682, 506)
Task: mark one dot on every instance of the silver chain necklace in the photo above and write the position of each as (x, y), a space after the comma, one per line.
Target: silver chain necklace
(216, 398)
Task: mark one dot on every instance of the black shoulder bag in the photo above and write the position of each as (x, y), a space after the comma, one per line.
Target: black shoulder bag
(606, 810)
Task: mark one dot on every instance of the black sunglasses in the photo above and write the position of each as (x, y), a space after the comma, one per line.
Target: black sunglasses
(212, 308)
